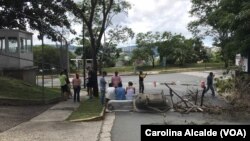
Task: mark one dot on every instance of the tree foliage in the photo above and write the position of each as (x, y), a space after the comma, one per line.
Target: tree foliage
(97, 15)
(174, 47)
(41, 15)
(109, 53)
(147, 44)
(225, 20)
(51, 57)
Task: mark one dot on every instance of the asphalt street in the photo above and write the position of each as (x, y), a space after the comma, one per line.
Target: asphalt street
(127, 125)
(148, 82)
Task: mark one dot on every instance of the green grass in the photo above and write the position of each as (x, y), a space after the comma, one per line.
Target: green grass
(119, 69)
(175, 70)
(172, 68)
(89, 109)
(16, 89)
(200, 66)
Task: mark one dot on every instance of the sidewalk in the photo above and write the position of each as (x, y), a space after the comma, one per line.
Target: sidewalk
(51, 126)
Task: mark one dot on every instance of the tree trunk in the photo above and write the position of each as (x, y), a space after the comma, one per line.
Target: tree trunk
(226, 63)
(248, 61)
(95, 69)
(153, 61)
(83, 56)
(100, 66)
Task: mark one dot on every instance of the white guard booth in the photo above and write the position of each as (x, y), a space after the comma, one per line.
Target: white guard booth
(16, 56)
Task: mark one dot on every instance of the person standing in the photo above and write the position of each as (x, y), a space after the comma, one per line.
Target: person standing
(77, 87)
(90, 84)
(141, 81)
(116, 79)
(210, 84)
(130, 91)
(63, 85)
(68, 84)
(103, 87)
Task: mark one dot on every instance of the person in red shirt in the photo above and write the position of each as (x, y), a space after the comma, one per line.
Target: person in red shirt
(77, 87)
(116, 79)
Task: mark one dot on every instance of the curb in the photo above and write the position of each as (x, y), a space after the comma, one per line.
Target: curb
(96, 118)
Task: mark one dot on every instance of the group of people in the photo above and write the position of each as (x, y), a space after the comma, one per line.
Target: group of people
(65, 86)
(116, 91)
(76, 83)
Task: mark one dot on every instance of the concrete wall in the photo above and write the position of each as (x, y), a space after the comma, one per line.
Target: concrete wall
(9, 62)
(28, 75)
(26, 63)
(18, 63)
(12, 59)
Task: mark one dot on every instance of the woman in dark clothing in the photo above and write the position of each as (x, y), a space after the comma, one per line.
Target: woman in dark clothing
(90, 84)
(141, 83)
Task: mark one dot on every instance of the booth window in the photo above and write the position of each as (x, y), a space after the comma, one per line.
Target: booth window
(29, 47)
(13, 44)
(2, 44)
(23, 45)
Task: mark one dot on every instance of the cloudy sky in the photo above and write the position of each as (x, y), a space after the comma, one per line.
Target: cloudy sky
(156, 15)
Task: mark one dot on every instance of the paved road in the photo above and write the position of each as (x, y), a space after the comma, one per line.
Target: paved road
(127, 124)
(178, 78)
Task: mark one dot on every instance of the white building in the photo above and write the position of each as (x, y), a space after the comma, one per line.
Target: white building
(16, 56)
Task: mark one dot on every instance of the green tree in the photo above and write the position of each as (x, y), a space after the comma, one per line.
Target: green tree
(51, 57)
(109, 53)
(179, 50)
(79, 50)
(165, 47)
(43, 16)
(139, 54)
(225, 20)
(95, 15)
(147, 43)
(237, 19)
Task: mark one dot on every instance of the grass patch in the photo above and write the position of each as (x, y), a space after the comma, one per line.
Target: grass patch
(201, 66)
(119, 69)
(173, 68)
(88, 109)
(17, 89)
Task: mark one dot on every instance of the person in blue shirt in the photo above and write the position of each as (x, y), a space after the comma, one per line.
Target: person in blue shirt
(120, 92)
(103, 87)
(210, 83)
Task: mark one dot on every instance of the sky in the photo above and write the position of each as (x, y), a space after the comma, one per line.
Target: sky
(154, 15)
